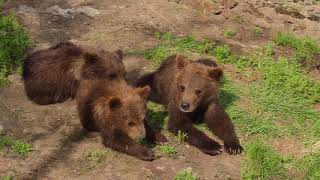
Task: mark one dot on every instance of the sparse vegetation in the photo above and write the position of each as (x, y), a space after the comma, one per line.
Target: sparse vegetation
(13, 43)
(17, 146)
(229, 33)
(167, 149)
(185, 175)
(97, 156)
(257, 31)
(305, 48)
(310, 164)
(182, 136)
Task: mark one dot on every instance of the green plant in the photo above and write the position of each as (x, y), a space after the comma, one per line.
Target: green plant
(222, 52)
(167, 149)
(185, 175)
(17, 146)
(261, 162)
(229, 33)
(5, 177)
(157, 115)
(311, 165)
(306, 49)
(257, 31)
(13, 43)
(240, 19)
(182, 136)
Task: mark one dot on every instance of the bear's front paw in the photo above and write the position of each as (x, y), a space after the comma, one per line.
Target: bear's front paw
(233, 148)
(212, 149)
(146, 154)
(160, 138)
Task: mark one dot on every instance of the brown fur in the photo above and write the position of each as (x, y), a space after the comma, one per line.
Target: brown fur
(190, 91)
(53, 75)
(118, 112)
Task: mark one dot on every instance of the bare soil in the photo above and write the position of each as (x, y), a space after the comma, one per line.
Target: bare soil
(54, 131)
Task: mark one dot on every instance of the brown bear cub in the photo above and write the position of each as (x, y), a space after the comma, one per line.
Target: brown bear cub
(190, 92)
(118, 112)
(53, 75)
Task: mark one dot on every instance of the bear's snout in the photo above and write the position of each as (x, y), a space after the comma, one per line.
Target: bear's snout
(185, 107)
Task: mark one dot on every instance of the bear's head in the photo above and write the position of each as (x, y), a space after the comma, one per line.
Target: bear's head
(125, 111)
(103, 65)
(195, 83)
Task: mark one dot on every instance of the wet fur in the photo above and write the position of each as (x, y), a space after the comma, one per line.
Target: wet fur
(164, 90)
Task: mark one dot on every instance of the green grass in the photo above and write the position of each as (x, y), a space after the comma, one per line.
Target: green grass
(171, 45)
(266, 97)
(185, 175)
(13, 43)
(262, 162)
(311, 165)
(157, 115)
(17, 146)
(5, 177)
(305, 48)
(182, 136)
(257, 31)
(167, 149)
(229, 33)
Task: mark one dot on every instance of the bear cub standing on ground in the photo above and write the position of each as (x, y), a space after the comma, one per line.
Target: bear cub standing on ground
(190, 91)
(118, 112)
(53, 75)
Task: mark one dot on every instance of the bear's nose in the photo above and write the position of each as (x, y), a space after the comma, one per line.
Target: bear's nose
(185, 106)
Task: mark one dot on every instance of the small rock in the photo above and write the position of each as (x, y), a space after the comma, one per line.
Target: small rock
(69, 13)
(261, 23)
(268, 12)
(161, 168)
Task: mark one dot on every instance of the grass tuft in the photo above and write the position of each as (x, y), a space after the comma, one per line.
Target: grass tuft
(13, 43)
(97, 156)
(185, 175)
(182, 136)
(229, 33)
(311, 165)
(262, 162)
(257, 31)
(167, 149)
(17, 146)
(306, 49)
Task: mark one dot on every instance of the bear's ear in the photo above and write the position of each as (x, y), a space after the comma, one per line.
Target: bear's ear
(215, 73)
(119, 53)
(90, 58)
(114, 102)
(181, 61)
(143, 92)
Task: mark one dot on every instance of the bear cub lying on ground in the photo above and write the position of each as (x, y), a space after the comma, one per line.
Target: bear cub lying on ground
(190, 91)
(118, 112)
(53, 75)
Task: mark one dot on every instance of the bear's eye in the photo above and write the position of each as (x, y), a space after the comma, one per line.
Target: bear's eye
(131, 124)
(198, 92)
(113, 76)
(182, 88)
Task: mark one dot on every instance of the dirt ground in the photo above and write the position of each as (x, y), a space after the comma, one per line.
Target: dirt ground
(54, 131)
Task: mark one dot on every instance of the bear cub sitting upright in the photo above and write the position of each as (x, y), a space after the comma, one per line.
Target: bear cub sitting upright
(190, 92)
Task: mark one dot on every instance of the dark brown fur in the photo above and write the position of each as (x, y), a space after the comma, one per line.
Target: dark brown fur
(190, 92)
(53, 75)
(118, 112)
